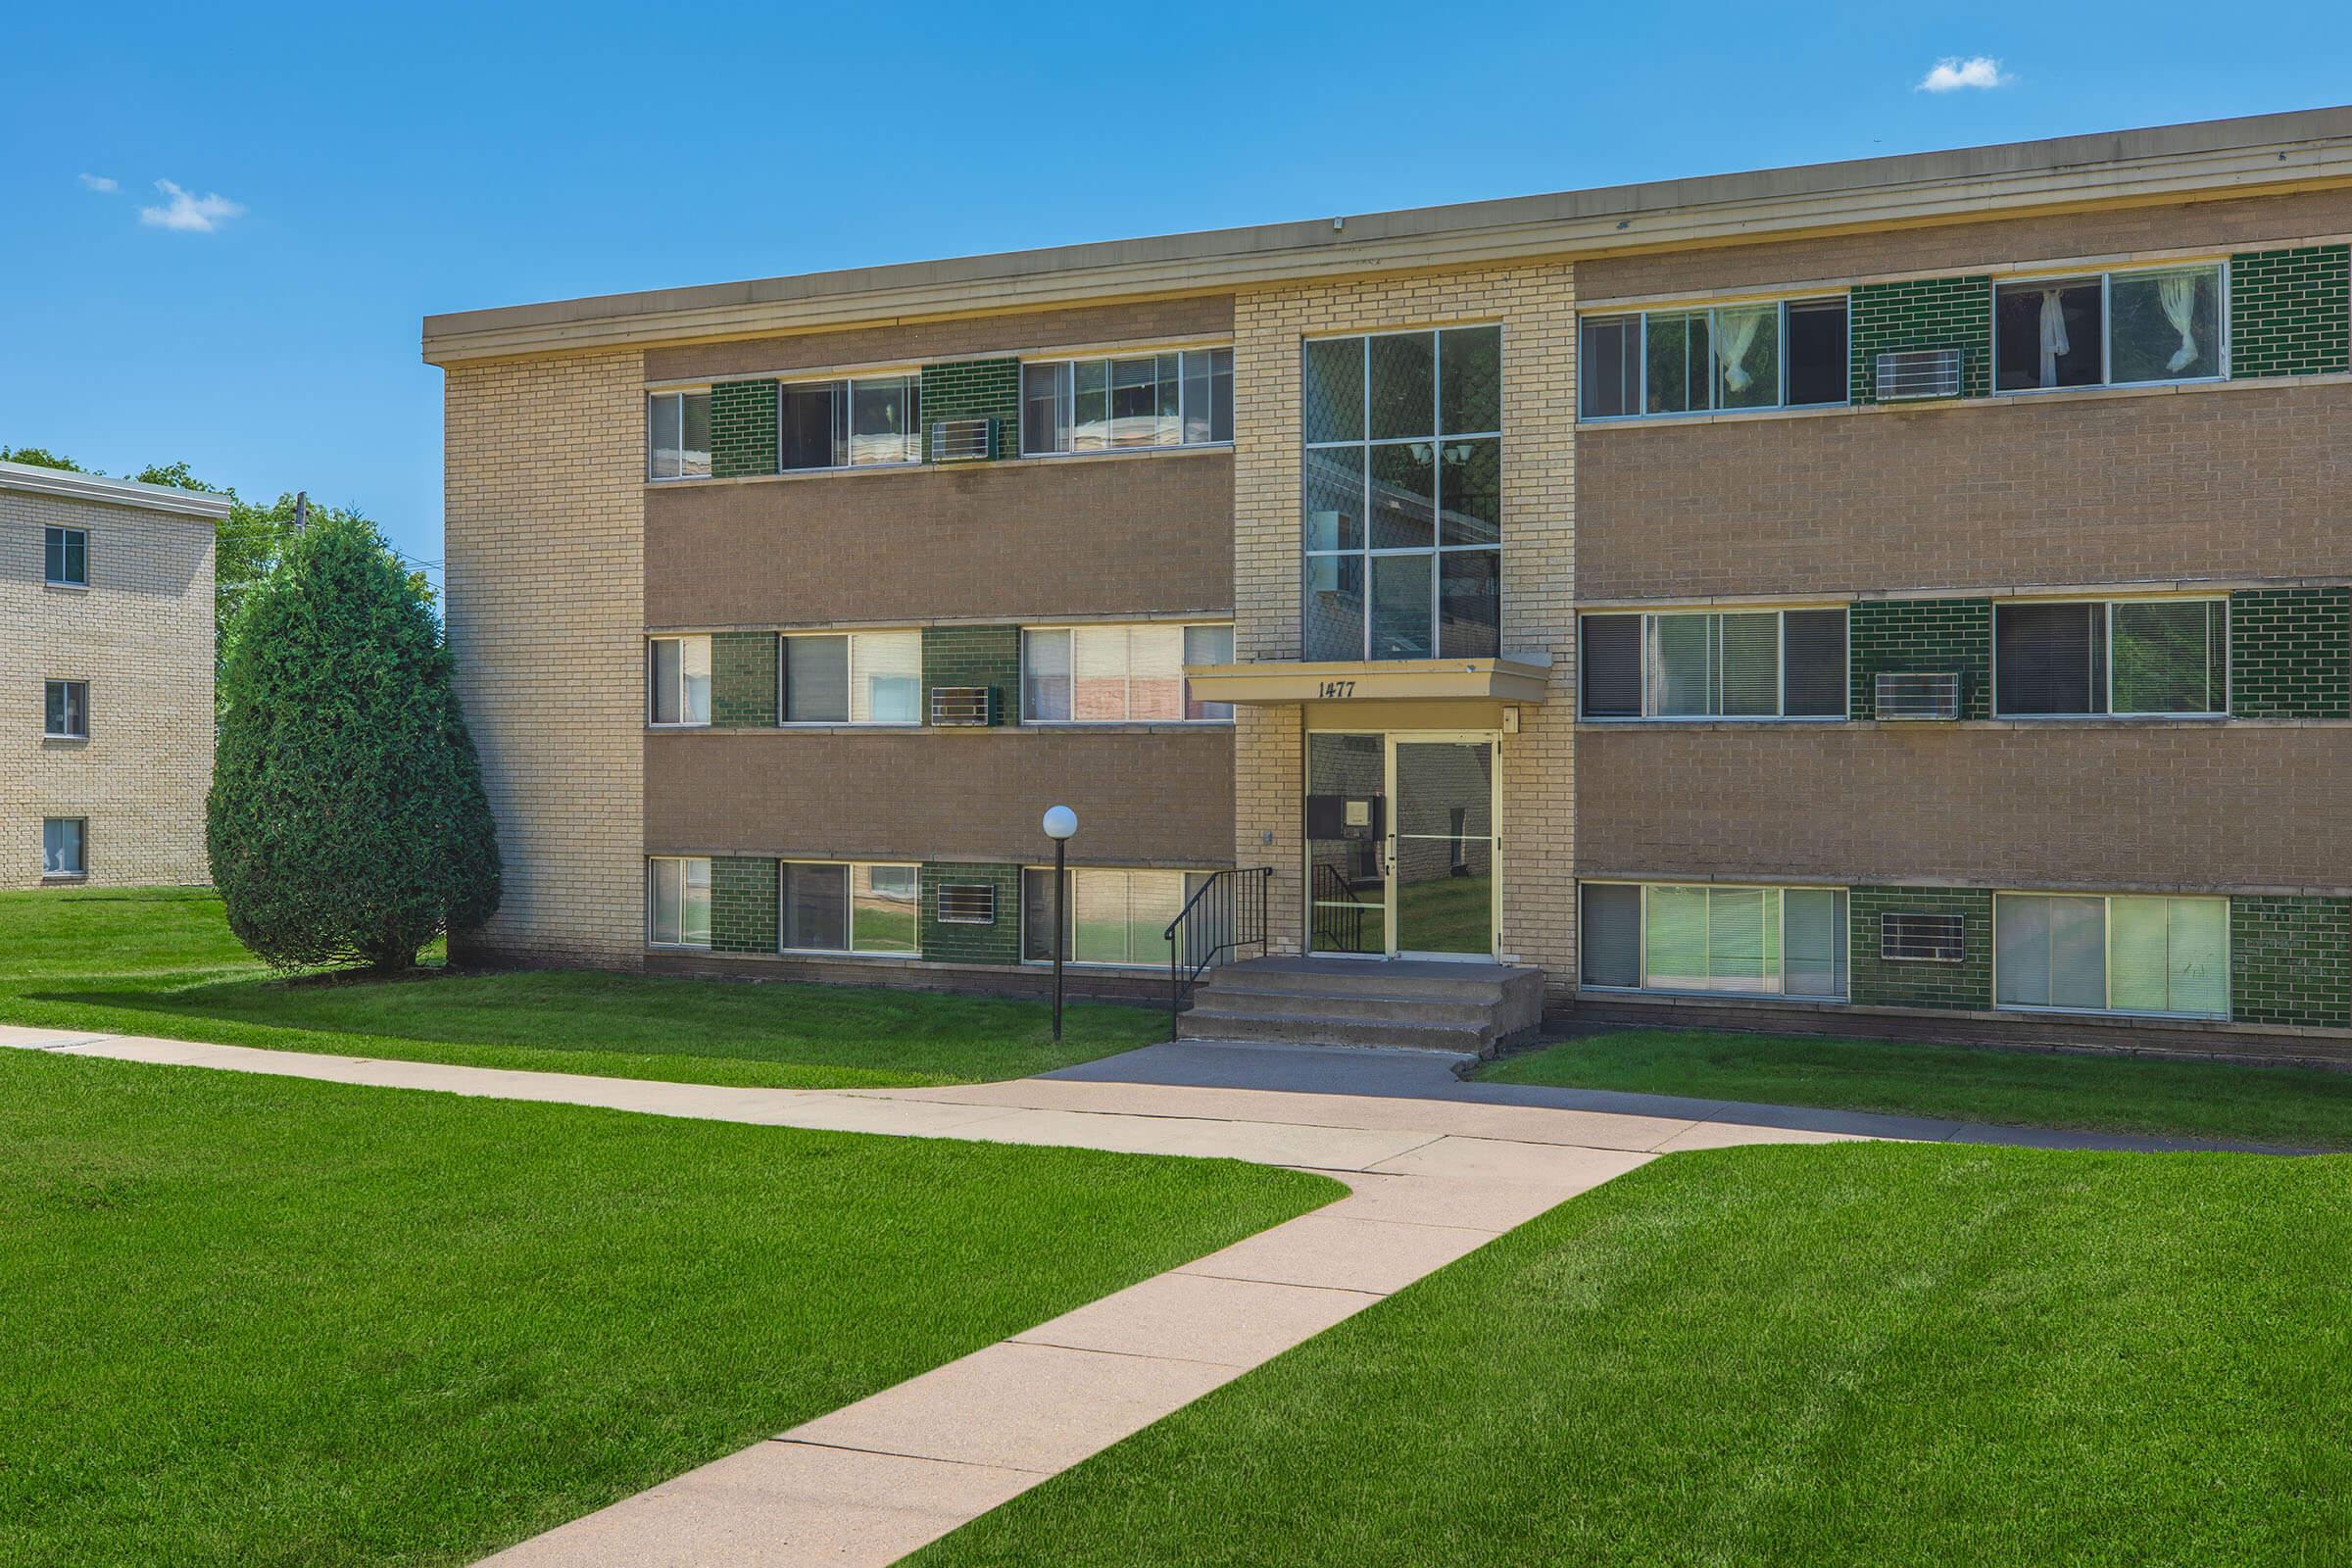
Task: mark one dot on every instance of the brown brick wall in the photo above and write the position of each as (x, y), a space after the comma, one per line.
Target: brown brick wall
(2113, 806)
(2218, 225)
(1065, 536)
(2230, 482)
(1160, 798)
(1210, 316)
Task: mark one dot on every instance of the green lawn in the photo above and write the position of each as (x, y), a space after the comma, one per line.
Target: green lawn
(1869, 1354)
(2292, 1108)
(160, 961)
(265, 1322)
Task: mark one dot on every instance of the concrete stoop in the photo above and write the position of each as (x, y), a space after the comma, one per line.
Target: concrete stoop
(1473, 1009)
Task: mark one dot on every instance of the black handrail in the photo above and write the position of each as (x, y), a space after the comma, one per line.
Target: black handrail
(1225, 914)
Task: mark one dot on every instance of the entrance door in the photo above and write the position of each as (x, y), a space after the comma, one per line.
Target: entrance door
(1442, 851)
(1401, 845)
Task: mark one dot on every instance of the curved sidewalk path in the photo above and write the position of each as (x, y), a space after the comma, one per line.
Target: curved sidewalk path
(1432, 1176)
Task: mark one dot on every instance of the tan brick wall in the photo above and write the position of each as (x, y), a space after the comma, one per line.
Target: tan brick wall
(2228, 482)
(2102, 807)
(1150, 321)
(1067, 536)
(544, 543)
(141, 635)
(1536, 306)
(2219, 225)
(1157, 797)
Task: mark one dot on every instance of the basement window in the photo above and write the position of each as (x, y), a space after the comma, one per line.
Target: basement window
(2131, 657)
(1760, 941)
(2076, 953)
(834, 908)
(62, 842)
(2109, 329)
(1114, 917)
(677, 902)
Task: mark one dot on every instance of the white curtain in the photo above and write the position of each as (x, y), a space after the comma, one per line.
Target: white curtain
(2177, 295)
(2054, 342)
(1735, 333)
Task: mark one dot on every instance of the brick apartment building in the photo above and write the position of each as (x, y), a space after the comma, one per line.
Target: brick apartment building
(1906, 595)
(106, 593)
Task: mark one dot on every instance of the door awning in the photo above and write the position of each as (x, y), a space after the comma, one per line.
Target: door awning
(1486, 680)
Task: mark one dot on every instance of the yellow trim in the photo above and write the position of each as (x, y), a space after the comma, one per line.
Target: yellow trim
(1345, 682)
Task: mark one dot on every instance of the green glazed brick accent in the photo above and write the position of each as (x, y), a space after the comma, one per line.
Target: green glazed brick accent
(1914, 636)
(743, 905)
(2288, 310)
(1921, 313)
(743, 428)
(2290, 653)
(974, 389)
(975, 656)
(743, 679)
(1874, 981)
(2290, 961)
(999, 943)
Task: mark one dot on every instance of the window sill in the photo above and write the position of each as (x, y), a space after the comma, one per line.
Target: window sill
(2167, 386)
(664, 730)
(67, 587)
(63, 878)
(65, 742)
(2119, 1014)
(1223, 448)
(1663, 994)
(1993, 400)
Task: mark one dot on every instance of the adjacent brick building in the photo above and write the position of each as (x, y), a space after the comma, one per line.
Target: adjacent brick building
(106, 634)
(1910, 595)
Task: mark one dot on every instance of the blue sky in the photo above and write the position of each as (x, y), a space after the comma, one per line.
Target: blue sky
(373, 164)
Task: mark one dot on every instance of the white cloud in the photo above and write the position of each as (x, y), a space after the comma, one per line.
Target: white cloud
(188, 211)
(99, 182)
(1951, 73)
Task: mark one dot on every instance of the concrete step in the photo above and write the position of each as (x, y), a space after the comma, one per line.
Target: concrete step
(1417, 1004)
(1473, 1011)
(1466, 1038)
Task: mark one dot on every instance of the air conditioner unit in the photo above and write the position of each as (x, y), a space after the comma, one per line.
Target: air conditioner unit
(1906, 937)
(1919, 373)
(964, 706)
(967, 904)
(964, 440)
(1919, 696)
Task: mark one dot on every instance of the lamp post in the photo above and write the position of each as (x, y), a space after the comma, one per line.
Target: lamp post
(1060, 823)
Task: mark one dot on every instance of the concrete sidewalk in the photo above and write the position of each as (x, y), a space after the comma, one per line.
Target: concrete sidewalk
(1430, 1180)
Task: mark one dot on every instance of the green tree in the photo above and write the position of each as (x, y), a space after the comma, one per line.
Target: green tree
(40, 458)
(347, 819)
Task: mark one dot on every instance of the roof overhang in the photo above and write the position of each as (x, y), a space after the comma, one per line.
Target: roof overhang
(1482, 680)
(30, 479)
(2203, 161)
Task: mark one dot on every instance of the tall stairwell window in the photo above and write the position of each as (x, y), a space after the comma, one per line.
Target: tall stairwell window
(1402, 495)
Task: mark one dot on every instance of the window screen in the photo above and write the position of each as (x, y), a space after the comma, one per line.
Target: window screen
(1817, 364)
(678, 903)
(816, 680)
(886, 676)
(2050, 952)
(1610, 365)
(2048, 334)
(2050, 658)
(1612, 666)
(1612, 934)
(1815, 648)
(815, 902)
(883, 904)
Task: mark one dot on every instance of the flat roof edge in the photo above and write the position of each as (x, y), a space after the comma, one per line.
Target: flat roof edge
(34, 479)
(2147, 165)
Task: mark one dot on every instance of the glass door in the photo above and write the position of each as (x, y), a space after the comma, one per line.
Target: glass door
(1442, 851)
(1347, 844)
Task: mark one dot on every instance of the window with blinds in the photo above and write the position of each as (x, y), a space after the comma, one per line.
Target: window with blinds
(863, 677)
(2091, 953)
(2124, 657)
(1767, 663)
(1765, 941)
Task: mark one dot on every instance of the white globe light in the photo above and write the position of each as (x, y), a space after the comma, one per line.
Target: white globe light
(1060, 822)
